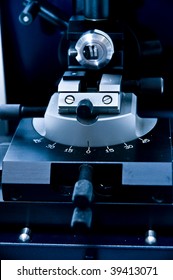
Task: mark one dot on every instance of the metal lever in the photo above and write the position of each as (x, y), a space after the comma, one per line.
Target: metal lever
(45, 10)
(29, 13)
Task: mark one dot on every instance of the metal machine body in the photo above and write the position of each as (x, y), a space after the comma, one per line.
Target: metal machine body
(99, 165)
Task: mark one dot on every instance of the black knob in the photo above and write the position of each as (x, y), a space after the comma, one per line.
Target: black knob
(81, 219)
(82, 198)
(85, 109)
(83, 193)
(83, 190)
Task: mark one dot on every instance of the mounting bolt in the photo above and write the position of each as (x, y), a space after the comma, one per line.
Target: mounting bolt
(25, 235)
(150, 238)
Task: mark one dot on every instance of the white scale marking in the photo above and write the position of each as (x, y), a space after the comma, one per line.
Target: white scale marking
(127, 147)
(69, 150)
(51, 146)
(37, 140)
(109, 150)
(144, 141)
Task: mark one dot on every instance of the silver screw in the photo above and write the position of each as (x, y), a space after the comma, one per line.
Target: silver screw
(107, 99)
(25, 235)
(151, 237)
(26, 19)
(69, 99)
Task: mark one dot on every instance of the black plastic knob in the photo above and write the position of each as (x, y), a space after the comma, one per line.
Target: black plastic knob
(83, 190)
(82, 198)
(83, 193)
(81, 219)
(85, 109)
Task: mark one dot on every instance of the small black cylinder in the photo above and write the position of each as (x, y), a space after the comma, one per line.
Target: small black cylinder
(96, 9)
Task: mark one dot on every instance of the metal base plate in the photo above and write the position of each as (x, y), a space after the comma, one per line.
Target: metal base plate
(35, 168)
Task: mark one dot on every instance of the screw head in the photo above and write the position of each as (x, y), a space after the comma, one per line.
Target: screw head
(25, 235)
(69, 99)
(107, 99)
(150, 238)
